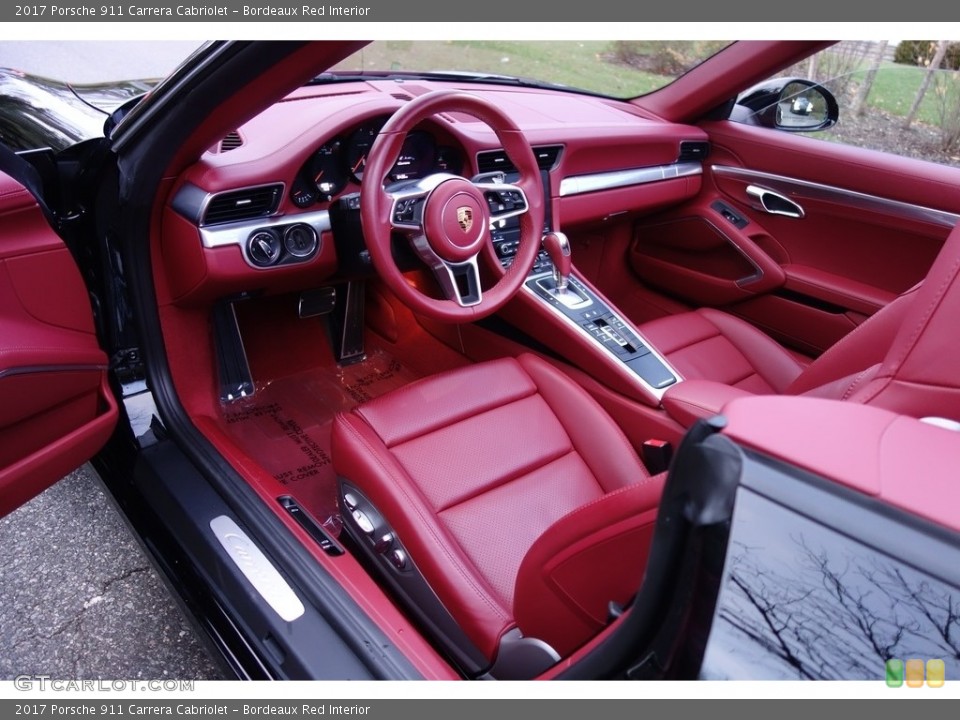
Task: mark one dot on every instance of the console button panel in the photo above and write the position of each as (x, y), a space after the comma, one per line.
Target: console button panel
(591, 315)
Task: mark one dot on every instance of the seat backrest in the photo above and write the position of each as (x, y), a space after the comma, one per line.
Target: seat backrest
(906, 358)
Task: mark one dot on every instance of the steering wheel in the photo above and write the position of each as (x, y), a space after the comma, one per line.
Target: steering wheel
(447, 218)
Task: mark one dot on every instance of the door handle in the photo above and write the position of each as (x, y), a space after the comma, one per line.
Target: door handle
(775, 203)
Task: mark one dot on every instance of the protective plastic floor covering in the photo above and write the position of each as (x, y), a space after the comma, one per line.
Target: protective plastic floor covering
(285, 425)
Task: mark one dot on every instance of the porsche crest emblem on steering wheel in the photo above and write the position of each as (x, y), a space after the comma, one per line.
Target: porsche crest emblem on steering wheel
(465, 218)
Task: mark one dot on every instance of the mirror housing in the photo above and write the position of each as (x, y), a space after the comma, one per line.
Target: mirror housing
(791, 104)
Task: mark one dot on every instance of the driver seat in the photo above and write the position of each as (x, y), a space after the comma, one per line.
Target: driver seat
(504, 507)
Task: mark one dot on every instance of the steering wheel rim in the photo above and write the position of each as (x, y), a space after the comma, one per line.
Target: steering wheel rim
(446, 218)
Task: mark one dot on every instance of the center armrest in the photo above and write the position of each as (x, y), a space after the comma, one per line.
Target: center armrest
(690, 400)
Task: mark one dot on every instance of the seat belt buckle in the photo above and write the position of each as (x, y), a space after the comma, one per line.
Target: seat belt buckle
(656, 455)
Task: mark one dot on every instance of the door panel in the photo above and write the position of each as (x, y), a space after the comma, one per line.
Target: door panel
(871, 225)
(56, 409)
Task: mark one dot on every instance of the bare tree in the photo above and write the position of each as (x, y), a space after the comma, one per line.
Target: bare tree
(932, 68)
(860, 102)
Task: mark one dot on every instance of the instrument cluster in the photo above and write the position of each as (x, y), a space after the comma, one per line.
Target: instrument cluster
(342, 159)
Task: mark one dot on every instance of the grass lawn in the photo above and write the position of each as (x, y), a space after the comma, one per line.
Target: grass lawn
(577, 64)
(895, 88)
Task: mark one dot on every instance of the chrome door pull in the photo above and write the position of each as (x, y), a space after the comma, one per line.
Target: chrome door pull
(775, 203)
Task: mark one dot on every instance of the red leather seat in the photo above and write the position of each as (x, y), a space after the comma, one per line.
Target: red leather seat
(512, 493)
(905, 358)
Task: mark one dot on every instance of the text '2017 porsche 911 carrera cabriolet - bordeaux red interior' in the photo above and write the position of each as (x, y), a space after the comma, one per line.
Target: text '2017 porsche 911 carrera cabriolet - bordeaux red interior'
(402, 374)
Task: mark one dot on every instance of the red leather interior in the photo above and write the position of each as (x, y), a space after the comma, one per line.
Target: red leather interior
(904, 358)
(845, 292)
(840, 263)
(712, 345)
(696, 254)
(691, 400)
(472, 466)
(862, 348)
(590, 557)
(872, 450)
(919, 374)
(57, 410)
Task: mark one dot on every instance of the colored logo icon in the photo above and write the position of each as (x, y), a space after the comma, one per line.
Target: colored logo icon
(936, 673)
(894, 673)
(912, 672)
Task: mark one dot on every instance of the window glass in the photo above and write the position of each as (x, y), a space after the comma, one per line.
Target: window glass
(901, 97)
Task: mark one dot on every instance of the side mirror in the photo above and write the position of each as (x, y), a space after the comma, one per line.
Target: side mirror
(791, 104)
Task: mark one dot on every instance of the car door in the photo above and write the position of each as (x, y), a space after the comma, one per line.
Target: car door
(56, 409)
(849, 228)
(803, 237)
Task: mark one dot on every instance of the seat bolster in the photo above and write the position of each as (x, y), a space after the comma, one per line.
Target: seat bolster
(360, 454)
(843, 388)
(862, 347)
(919, 374)
(594, 554)
(596, 437)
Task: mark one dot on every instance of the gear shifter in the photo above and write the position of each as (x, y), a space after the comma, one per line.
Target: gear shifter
(559, 286)
(558, 248)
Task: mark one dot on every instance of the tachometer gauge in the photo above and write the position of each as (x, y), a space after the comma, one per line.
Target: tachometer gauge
(325, 170)
(359, 144)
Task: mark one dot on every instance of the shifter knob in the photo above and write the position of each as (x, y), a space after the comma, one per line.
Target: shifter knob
(558, 248)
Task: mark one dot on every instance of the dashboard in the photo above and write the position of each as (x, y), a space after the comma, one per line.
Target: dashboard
(254, 212)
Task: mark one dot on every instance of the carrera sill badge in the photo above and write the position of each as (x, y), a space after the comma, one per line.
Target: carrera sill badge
(254, 565)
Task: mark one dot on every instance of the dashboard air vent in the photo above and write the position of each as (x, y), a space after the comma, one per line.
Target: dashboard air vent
(243, 204)
(231, 141)
(693, 151)
(494, 160)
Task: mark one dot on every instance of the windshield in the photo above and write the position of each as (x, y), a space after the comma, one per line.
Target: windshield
(615, 68)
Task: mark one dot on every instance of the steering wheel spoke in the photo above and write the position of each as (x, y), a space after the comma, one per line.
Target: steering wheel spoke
(460, 282)
(407, 200)
(504, 200)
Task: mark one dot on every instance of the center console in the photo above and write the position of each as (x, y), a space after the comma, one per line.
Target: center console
(586, 321)
(582, 311)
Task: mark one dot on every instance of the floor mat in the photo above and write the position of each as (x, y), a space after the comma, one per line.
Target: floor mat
(285, 425)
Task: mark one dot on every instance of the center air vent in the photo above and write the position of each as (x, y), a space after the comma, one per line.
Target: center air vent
(494, 160)
(243, 204)
(693, 150)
